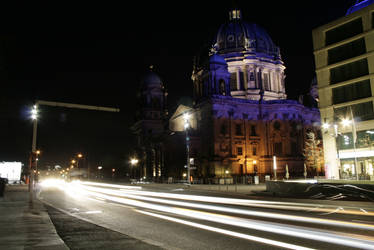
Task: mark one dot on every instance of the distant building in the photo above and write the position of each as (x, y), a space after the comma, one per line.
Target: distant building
(241, 118)
(149, 128)
(344, 60)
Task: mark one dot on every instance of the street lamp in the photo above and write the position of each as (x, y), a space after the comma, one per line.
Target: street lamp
(99, 168)
(275, 167)
(34, 117)
(186, 117)
(134, 162)
(345, 122)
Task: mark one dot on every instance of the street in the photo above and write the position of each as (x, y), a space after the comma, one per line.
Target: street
(185, 219)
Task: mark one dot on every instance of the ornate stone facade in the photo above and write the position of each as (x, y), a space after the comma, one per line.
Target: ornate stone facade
(241, 118)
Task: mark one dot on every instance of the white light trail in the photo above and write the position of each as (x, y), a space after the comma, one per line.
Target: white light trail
(110, 185)
(227, 232)
(289, 230)
(240, 211)
(253, 203)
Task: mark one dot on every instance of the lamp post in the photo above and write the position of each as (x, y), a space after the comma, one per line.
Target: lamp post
(134, 162)
(275, 167)
(79, 157)
(345, 123)
(99, 168)
(186, 118)
(33, 156)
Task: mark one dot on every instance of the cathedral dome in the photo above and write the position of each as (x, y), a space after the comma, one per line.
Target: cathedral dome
(238, 35)
(151, 79)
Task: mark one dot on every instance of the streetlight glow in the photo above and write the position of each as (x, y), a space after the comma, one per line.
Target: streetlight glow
(186, 117)
(346, 122)
(134, 161)
(34, 113)
(325, 125)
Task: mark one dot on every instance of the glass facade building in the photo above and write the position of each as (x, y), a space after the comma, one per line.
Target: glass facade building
(344, 60)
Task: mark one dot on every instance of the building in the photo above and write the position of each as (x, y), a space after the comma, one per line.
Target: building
(344, 60)
(241, 118)
(149, 127)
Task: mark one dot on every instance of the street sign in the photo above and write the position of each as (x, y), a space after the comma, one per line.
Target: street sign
(192, 167)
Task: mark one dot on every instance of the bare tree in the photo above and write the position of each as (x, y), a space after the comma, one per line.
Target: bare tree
(312, 151)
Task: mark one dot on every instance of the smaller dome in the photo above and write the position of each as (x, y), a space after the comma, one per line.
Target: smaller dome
(217, 59)
(151, 79)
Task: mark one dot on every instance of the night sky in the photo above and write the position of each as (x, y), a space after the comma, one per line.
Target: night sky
(94, 53)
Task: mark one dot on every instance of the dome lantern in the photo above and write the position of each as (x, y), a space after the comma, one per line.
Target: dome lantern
(235, 14)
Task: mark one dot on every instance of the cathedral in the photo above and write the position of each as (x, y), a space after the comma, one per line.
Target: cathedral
(241, 122)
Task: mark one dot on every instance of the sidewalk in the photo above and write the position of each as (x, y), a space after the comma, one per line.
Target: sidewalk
(25, 227)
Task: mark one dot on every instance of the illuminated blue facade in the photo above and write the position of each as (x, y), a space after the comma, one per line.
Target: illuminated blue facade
(359, 5)
(254, 64)
(242, 117)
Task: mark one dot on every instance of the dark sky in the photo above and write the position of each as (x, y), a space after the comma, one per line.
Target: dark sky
(95, 52)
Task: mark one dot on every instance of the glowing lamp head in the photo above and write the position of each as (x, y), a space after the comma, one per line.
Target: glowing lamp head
(134, 161)
(186, 117)
(34, 113)
(80, 155)
(325, 125)
(346, 122)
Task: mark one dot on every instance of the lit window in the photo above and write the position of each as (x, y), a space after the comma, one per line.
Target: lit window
(240, 150)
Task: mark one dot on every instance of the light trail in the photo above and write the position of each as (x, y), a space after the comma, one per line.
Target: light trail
(239, 211)
(289, 230)
(227, 232)
(324, 209)
(255, 203)
(110, 185)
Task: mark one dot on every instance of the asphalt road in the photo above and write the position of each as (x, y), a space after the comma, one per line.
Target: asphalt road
(186, 219)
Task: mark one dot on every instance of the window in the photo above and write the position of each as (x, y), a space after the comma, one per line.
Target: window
(223, 129)
(276, 125)
(266, 81)
(349, 71)
(233, 82)
(361, 112)
(253, 130)
(251, 76)
(222, 89)
(278, 148)
(351, 92)
(239, 150)
(254, 150)
(347, 51)
(294, 150)
(345, 141)
(241, 79)
(344, 31)
(238, 129)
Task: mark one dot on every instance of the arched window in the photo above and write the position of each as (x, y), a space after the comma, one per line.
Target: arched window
(222, 89)
(276, 125)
